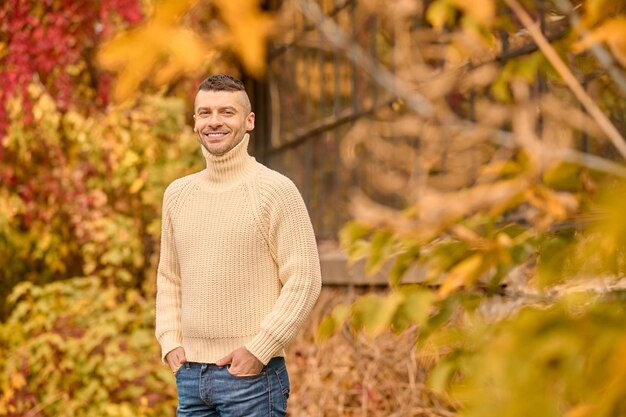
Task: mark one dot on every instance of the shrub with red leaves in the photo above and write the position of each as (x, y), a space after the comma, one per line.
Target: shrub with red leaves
(53, 42)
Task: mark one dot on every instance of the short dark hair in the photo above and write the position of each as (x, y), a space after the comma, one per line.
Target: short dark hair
(221, 82)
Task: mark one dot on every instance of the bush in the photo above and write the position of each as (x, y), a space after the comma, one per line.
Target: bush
(82, 348)
(82, 194)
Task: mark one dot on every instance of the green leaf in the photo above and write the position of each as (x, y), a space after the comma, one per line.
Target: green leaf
(563, 176)
(381, 249)
(402, 263)
(417, 305)
(351, 239)
(443, 311)
(331, 323)
(415, 308)
(446, 254)
(352, 232)
(439, 378)
(374, 314)
(553, 257)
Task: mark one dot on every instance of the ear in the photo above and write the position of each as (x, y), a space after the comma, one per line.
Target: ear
(250, 122)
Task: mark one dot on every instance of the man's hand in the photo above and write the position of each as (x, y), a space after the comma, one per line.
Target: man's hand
(242, 363)
(176, 358)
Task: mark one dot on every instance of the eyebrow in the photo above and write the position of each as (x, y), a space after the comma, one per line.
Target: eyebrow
(219, 108)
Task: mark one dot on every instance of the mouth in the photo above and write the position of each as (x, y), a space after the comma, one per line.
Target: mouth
(214, 135)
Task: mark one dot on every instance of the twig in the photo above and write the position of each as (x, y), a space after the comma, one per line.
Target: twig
(596, 163)
(601, 54)
(569, 78)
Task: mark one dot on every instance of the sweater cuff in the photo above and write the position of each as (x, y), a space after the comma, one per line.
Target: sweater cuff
(169, 341)
(264, 347)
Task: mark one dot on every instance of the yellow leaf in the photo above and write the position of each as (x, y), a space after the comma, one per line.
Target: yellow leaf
(134, 54)
(249, 27)
(17, 380)
(184, 59)
(161, 48)
(555, 204)
(169, 11)
(465, 272)
(596, 10)
(613, 32)
(500, 168)
(584, 410)
(439, 13)
(482, 10)
(136, 185)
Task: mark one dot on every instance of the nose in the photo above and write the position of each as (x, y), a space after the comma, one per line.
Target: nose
(215, 121)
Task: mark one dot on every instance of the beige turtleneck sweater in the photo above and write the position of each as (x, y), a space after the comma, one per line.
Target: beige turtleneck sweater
(239, 263)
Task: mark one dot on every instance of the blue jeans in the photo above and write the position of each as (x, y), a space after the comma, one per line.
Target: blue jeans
(207, 390)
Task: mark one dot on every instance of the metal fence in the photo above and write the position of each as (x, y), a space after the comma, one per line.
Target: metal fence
(314, 94)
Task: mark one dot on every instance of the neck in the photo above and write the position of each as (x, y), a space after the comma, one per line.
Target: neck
(230, 168)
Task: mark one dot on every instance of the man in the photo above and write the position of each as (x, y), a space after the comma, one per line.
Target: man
(239, 270)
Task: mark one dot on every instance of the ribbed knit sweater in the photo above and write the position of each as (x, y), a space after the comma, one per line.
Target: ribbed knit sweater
(238, 264)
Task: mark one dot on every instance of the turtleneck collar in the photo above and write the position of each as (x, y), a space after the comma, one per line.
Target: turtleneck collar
(229, 169)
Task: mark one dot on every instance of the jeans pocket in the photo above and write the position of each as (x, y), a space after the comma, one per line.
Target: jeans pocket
(283, 380)
(260, 374)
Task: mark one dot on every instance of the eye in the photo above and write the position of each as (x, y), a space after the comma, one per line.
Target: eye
(203, 113)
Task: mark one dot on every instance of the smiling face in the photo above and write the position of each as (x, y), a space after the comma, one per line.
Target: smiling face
(222, 118)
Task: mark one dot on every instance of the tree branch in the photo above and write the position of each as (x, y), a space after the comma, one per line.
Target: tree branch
(601, 54)
(422, 106)
(569, 78)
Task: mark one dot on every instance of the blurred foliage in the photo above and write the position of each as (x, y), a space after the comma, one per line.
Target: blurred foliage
(174, 41)
(82, 347)
(81, 186)
(556, 358)
(519, 250)
(506, 256)
(82, 193)
(53, 41)
(81, 197)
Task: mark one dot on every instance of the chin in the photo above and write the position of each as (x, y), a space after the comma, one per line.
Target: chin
(218, 151)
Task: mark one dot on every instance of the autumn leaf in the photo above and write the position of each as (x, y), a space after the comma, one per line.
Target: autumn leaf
(613, 32)
(163, 48)
(467, 271)
(134, 54)
(595, 11)
(440, 13)
(374, 313)
(249, 28)
(483, 11)
(17, 381)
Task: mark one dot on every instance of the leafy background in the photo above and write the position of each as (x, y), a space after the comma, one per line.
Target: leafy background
(518, 245)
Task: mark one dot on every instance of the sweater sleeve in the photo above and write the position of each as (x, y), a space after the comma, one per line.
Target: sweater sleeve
(291, 239)
(168, 297)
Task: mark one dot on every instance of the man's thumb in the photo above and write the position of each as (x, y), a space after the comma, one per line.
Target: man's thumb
(225, 360)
